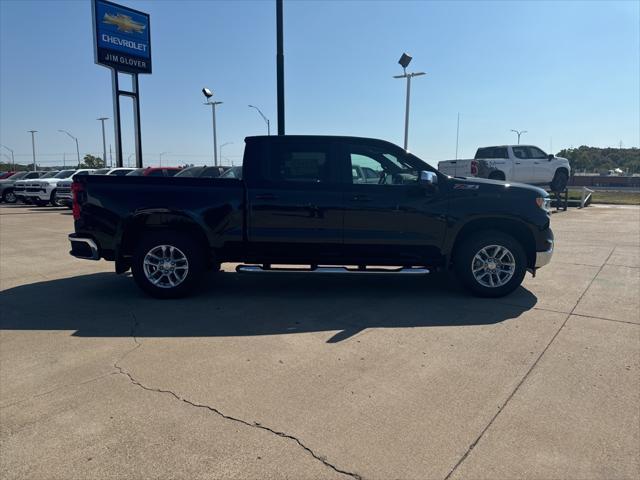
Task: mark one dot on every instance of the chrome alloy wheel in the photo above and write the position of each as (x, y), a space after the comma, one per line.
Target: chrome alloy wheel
(493, 266)
(165, 266)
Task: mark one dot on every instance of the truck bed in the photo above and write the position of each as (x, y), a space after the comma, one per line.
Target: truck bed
(110, 203)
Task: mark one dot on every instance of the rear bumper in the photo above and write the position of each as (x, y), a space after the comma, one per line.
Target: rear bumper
(83, 247)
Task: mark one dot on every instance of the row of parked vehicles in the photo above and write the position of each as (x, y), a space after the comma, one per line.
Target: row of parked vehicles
(53, 187)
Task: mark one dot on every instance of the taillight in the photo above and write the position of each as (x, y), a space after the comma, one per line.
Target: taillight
(474, 168)
(76, 189)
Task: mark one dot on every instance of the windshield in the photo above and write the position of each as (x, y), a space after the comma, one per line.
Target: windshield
(136, 172)
(190, 172)
(100, 171)
(50, 174)
(64, 174)
(233, 172)
(18, 175)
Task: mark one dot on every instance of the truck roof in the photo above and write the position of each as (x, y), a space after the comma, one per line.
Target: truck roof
(343, 138)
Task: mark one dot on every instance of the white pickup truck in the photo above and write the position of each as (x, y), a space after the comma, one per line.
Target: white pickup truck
(512, 163)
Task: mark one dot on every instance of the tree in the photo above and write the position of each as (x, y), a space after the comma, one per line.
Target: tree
(92, 162)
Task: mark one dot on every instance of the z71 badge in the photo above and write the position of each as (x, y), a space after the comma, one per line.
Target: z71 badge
(465, 186)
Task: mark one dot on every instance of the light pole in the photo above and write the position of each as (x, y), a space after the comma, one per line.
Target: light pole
(264, 118)
(13, 161)
(519, 133)
(404, 61)
(33, 147)
(77, 148)
(104, 142)
(208, 94)
(129, 159)
(162, 153)
(226, 143)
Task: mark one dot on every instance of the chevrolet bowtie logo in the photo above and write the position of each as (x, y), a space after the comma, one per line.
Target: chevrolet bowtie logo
(124, 23)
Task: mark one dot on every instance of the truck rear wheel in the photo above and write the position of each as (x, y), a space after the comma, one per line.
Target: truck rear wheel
(167, 264)
(490, 263)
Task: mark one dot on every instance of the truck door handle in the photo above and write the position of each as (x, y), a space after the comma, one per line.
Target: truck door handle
(361, 198)
(266, 196)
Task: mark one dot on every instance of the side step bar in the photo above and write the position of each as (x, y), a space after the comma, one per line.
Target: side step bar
(334, 270)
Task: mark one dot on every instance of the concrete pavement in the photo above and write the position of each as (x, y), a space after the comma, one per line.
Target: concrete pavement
(301, 377)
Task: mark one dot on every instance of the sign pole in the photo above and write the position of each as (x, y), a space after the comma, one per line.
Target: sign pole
(116, 116)
(136, 115)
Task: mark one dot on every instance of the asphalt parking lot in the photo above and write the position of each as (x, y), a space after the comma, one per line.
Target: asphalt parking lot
(320, 377)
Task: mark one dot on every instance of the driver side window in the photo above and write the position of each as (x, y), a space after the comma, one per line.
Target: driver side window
(365, 169)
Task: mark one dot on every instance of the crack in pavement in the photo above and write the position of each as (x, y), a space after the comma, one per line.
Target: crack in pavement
(257, 425)
(526, 375)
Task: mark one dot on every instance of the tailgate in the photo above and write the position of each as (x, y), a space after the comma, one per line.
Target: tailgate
(456, 168)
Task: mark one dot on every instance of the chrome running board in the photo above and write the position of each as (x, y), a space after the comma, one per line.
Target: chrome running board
(335, 270)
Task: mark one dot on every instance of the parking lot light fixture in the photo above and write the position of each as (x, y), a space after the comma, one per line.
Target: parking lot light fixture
(225, 143)
(264, 118)
(13, 161)
(404, 62)
(519, 133)
(33, 147)
(77, 148)
(208, 94)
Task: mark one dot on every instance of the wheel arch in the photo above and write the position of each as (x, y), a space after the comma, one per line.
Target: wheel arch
(143, 222)
(515, 228)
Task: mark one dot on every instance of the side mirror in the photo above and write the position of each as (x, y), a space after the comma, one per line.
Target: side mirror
(427, 178)
(550, 156)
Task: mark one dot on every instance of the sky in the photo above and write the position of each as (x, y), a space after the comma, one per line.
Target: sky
(567, 72)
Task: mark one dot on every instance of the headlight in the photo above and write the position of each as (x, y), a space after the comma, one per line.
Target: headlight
(544, 203)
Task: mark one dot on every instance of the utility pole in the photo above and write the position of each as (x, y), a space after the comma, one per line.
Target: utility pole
(519, 132)
(161, 157)
(280, 65)
(104, 143)
(33, 147)
(110, 157)
(13, 161)
(404, 61)
(76, 140)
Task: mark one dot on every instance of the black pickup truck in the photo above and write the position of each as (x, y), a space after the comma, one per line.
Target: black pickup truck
(318, 201)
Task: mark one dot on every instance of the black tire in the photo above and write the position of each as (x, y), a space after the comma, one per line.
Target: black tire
(497, 176)
(187, 247)
(559, 182)
(464, 264)
(8, 196)
(52, 199)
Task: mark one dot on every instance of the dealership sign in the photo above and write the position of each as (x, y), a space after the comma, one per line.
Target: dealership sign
(122, 39)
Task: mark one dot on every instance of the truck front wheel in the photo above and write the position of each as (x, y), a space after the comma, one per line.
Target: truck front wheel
(490, 263)
(167, 264)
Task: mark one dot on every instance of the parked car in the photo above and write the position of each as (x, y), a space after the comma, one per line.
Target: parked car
(7, 185)
(21, 185)
(4, 175)
(297, 204)
(43, 191)
(154, 172)
(204, 171)
(512, 163)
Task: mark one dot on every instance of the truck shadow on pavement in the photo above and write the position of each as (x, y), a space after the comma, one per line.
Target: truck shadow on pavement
(231, 304)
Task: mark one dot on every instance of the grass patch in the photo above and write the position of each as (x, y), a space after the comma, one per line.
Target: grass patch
(618, 198)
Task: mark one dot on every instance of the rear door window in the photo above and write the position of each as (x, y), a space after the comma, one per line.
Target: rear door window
(304, 163)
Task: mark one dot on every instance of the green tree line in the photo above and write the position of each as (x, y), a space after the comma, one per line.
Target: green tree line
(593, 159)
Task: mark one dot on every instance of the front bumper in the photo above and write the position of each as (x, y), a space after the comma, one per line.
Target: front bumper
(83, 247)
(39, 195)
(544, 257)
